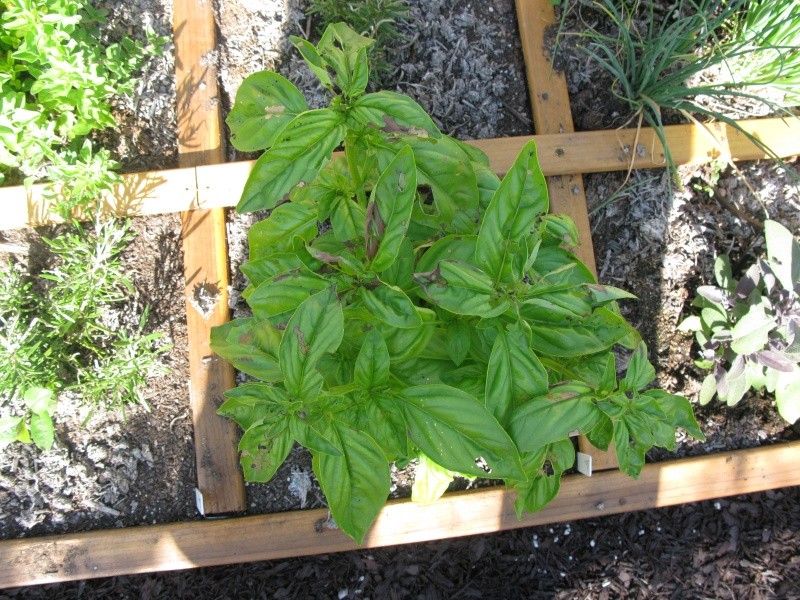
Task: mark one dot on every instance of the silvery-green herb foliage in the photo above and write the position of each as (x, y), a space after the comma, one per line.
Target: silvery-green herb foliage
(749, 330)
(408, 304)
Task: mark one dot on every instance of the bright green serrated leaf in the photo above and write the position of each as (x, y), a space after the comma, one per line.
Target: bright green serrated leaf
(312, 435)
(280, 296)
(260, 270)
(384, 422)
(462, 289)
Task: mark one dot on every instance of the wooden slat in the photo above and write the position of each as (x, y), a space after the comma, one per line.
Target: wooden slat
(300, 533)
(549, 98)
(552, 113)
(220, 483)
(215, 186)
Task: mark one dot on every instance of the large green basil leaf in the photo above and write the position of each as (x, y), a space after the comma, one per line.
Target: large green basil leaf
(391, 305)
(457, 432)
(547, 419)
(471, 379)
(677, 411)
(275, 233)
(314, 434)
(513, 376)
(265, 103)
(443, 165)
(462, 289)
(260, 270)
(389, 209)
(250, 345)
(452, 247)
(401, 273)
(356, 484)
(393, 113)
(556, 306)
(555, 267)
(630, 453)
(252, 403)
(405, 344)
(488, 182)
(297, 155)
(280, 296)
(372, 363)
(422, 370)
(640, 372)
(575, 338)
(315, 328)
(544, 468)
(383, 420)
(264, 448)
(347, 219)
(518, 201)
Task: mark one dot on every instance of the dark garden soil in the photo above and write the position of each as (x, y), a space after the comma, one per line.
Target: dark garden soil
(462, 61)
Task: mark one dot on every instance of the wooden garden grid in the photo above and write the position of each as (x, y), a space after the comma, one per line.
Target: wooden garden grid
(203, 187)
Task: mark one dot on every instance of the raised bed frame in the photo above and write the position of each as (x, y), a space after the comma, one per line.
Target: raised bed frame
(202, 188)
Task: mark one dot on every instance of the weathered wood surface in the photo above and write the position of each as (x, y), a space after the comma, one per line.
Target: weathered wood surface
(301, 533)
(220, 483)
(215, 186)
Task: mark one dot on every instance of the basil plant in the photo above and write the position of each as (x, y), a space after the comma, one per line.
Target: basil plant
(408, 304)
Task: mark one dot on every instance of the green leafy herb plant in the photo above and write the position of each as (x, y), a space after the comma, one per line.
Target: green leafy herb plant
(58, 80)
(749, 330)
(680, 60)
(408, 304)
